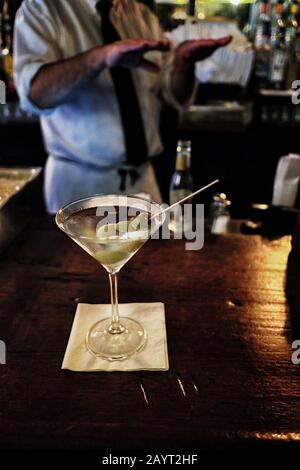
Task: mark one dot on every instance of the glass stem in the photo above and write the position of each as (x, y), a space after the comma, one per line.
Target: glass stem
(115, 328)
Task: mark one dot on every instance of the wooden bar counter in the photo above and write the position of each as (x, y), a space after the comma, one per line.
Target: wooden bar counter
(231, 312)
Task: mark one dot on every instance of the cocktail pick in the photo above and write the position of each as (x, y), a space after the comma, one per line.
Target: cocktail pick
(186, 198)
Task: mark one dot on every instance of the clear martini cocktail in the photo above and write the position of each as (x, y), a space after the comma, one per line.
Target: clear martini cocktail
(112, 229)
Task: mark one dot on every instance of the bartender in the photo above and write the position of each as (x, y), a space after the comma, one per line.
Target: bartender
(96, 72)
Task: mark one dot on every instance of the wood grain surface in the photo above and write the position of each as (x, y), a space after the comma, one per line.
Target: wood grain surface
(232, 310)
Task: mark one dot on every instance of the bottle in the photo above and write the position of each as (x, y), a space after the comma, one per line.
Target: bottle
(292, 25)
(292, 39)
(2, 73)
(262, 46)
(279, 55)
(262, 33)
(181, 184)
(6, 48)
(253, 18)
(297, 43)
(278, 23)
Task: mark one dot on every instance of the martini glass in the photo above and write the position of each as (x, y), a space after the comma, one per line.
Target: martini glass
(112, 229)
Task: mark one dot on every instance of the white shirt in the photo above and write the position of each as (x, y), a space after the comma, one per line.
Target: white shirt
(87, 126)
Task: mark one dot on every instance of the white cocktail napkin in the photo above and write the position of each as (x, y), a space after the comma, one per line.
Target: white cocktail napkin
(153, 357)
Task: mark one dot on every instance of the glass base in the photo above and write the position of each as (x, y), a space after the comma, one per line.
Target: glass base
(116, 346)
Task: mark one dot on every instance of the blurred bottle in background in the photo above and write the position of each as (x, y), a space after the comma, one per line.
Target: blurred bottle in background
(253, 17)
(292, 38)
(277, 23)
(292, 24)
(181, 184)
(2, 74)
(297, 41)
(280, 52)
(262, 46)
(8, 9)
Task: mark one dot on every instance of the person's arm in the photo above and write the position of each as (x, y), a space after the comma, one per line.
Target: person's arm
(55, 82)
(185, 57)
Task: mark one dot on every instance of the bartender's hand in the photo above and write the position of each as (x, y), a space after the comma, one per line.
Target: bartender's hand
(186, 56)
(129, 53)
(192, 51)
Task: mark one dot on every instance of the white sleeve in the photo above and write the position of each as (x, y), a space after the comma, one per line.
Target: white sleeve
(35, 44)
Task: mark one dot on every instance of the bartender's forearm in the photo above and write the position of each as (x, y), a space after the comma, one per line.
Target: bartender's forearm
(55, 82)
(187, 54)
(183, 81)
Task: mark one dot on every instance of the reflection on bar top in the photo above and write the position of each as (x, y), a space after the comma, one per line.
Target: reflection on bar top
(12, 180)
